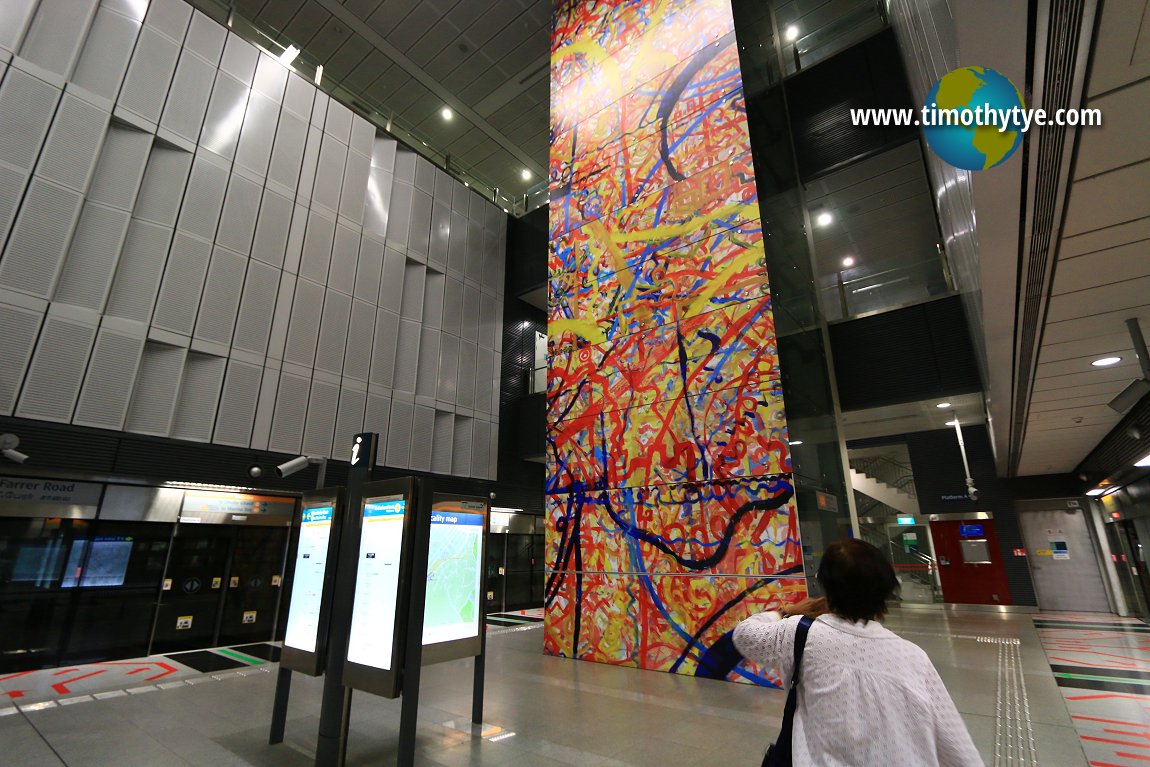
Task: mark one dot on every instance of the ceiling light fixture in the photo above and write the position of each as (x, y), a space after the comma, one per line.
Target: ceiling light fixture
(792, 33)
(288, 56)
(824, 219)
(1143, 462)
(796, 442)
(1106, 362)
(525, 174)
(849, 261)
(951, 423)
(446, 113)
(942, 405)
(318, 74)
(1096, 492)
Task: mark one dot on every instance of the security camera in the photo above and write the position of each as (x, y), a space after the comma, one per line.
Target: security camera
(972, 493)
(291, 467)
(255, 472)
(491, 495)
(8, 445)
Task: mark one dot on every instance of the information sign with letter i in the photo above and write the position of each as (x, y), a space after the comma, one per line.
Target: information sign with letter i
(317, 541)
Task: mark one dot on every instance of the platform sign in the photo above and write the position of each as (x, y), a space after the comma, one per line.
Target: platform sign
(306, 633)
(372, 641)
(455, 562)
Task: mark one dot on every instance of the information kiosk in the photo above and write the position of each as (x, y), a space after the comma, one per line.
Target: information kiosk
(456, 552)
(309, 609)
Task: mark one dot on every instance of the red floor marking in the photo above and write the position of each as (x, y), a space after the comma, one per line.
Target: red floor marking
(13, 676)
(65, 671)
(1107, 695)
(62, 687)
(1111, 740)
(1109, 721)
(15, 694)
(1132, 756)
(1105, 764)
(1124, 732)
(168, 669)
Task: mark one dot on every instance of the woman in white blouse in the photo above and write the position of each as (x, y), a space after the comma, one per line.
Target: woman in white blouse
(865, 695)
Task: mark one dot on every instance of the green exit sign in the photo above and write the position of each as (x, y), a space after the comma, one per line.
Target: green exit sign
(906, 520)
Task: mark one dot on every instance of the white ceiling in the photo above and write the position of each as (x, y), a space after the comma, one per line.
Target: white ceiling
(408, 59)
(909, 417)
(1102, 275)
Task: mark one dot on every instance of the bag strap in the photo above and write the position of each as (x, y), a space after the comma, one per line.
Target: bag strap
(801, 630)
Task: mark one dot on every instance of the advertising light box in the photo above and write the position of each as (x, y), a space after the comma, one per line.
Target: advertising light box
(373, 619)
(455, 560)
(306, 631)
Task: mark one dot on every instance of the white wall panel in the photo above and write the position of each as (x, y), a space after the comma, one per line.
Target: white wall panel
(157, 385)
(484, 373)
(108, 385)
(467, 365)
(419, 232)
(19, 328)
(428, 374)
(40, 238)
(138, 271)
(461, 199)
(12, 183)
(304, 329)
(357, 356)
(377, 203)
(298, 98)
(399, 435)
(362, 136)
(106, 53)
(433, 290)
(377, 419)
(90, 264)
(271, 78)
(238, 220)
(74, 142)
(225, 115)
(405, 166)
(183, 284)
(258, 133)
(288, 151)
(354, 189)
(120, 169)
(272, 228)
(187, 105)
(309, 167)
(205, 38)
(221, 300)
(469, 327)
(448, 385)
(369, 270)
(338, 123)
(203, 200)
(391, 284)
(291, 408)
(399, 216)
(162, 189)
(281, 320)
(384, 348)
(265, 408)
(407, 355)
(319, 423)
(462, 438)
(480, 447)
(199, 395)
(424, 175)
(414, 277)
(457, 246)
(170, 17)
(149, 74)
(423, 437)
(383, 152)
(452, 306)
(58, 364)
(240, 59)
(348, 421)
(317, 244)
(443, 189)
(329, 175)
(440, 236)
(474, 251)
(344, 255)
(237, 411)
(57, 33)
(488, 326)
(257, 307)
(442, 442)
(27, 105)
(493, 453)
(333, 332)
(15, 16)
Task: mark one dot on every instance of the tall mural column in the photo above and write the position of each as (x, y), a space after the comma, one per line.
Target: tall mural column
(671, 510)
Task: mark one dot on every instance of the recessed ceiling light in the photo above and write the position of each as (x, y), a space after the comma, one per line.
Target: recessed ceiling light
(792, 33)
(465, 183)
(318, 74)
(796, 442)
(525, 174)
(952, 423)
(824, 219)
(1096, 492)
(942, 405)
(1106, 362)
(288, 56)
(1144, 461)
(849, 261)
(446, 113)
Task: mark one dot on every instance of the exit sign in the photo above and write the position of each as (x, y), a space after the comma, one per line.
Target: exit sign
(906, 520)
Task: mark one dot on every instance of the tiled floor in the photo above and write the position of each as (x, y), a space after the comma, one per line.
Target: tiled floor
(547, 711)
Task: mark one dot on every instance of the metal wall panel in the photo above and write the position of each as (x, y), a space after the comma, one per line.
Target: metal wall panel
(199, 395)
(58, 364)
(298, 98)
(272, 228)
(204, 199)
(377, 419)
(187, 105)
(56, 34)
(362, 136)
(480, 447)
(333, 332)
(205, 38)
(317, 244)
(15, 16)
(428, 374)
(149, 74)
(484, 375)
(469, 327)
(90, 264)
(225, 115)
(258, 133)
(288, 151)
(240, 59)
(448, 384)
(467, 364)
(399, 434)
(442, 442)
(369, 270)
(344, 255)
(157, 385)
(384, 348)
(354, 187)
(170, 17)
(27, 105)
(319, 423)
(257, 307)
(377, 204)
(452, 306)
(303, 332)
(291, 406)
(162, 189)
(329, 174)
(183, 284)
(237, 411)
(407, 355)
(120, 169)
(399, 216)
(462, 438)
(221, 300)
(73, 144)
(457, 245)
(391, 285)
(433, 290)
(419, 231)
(19, 328)
(422, 438)
(40, 238)
(440, 236)
(348, 421)
(107, 387)
(338, 123)
(238, 219)
(413, 281)
(357, 356)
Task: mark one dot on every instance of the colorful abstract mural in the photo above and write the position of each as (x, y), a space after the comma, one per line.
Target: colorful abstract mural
(671, 510)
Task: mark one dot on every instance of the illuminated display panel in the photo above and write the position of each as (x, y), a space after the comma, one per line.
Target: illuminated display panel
(373, 618)
(454, 575)
(303, 624)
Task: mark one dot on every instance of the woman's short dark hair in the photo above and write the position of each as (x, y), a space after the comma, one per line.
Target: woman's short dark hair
(857, 579)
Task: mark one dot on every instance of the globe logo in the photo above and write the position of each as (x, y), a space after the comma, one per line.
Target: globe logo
(972, 118)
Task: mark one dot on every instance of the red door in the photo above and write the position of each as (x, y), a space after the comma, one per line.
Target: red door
(962, 549)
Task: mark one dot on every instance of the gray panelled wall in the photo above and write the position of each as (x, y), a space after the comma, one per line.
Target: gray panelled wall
(199, 244)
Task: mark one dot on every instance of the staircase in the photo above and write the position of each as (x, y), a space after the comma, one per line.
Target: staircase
(886, 480)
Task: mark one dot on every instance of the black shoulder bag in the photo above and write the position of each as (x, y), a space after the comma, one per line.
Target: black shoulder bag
(779, 752)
